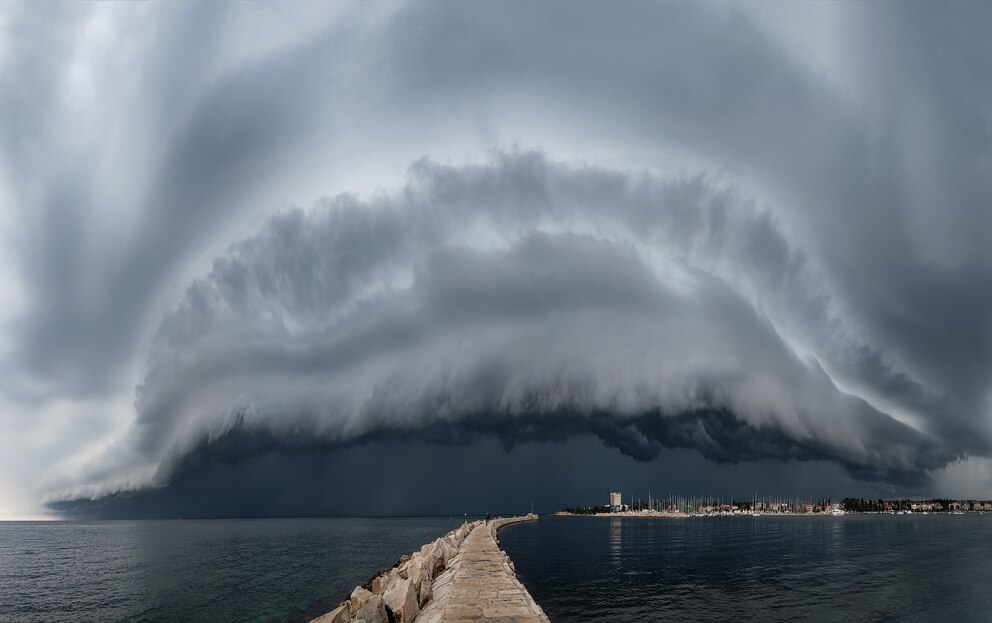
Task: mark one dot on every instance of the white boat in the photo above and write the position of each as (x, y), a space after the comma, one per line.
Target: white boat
(838, 511)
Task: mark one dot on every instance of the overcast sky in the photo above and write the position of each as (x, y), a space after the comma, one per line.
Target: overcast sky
(406, 257)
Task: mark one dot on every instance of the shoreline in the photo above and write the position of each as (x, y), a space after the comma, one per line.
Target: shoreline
(461, 575)
(677, 515)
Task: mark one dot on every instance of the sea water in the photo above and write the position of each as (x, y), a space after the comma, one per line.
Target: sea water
(254, 570)
(847, 568)
(850, 568)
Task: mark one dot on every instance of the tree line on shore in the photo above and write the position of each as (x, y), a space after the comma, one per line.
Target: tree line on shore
(861, 505)
(849, 504)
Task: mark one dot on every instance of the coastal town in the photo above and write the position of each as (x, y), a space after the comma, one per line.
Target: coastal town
(678, 506)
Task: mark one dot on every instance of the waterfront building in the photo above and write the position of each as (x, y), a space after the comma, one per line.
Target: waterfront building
(615, 504)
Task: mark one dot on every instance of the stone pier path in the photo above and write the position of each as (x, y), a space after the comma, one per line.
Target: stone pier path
(480, 584)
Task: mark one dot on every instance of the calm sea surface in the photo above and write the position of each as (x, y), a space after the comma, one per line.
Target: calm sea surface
(220, 570)
(850, 568)
(853, 568)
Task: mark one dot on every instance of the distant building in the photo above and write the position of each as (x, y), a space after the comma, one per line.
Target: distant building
(615, 503)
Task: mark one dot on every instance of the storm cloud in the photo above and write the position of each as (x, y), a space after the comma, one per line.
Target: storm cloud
(754, 233)
(522, 299)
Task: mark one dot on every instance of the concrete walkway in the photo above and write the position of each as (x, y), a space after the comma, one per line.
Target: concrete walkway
(480, 584)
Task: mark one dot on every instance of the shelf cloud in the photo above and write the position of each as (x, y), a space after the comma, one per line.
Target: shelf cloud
(755, 235)
(524, 300)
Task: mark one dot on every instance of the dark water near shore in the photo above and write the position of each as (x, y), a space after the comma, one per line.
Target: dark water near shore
(853, 568)
(243, 570)
(850, 568)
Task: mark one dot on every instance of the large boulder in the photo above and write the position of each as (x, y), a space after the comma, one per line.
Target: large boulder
(412, 565)
(425, 590)
(421, 582)
(381, 583)
(374, 611)
(401, 598)
(359, 597)
(450, 551)
(435, 559)
(341, 614)
(415, 566)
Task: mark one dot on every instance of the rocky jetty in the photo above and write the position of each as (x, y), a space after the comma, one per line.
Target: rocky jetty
(462, 575)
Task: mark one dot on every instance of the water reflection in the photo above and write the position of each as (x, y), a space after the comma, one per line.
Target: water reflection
(864, 568)
(616, 540)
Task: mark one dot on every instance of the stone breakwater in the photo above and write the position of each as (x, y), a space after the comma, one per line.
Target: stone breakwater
(462, 576)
